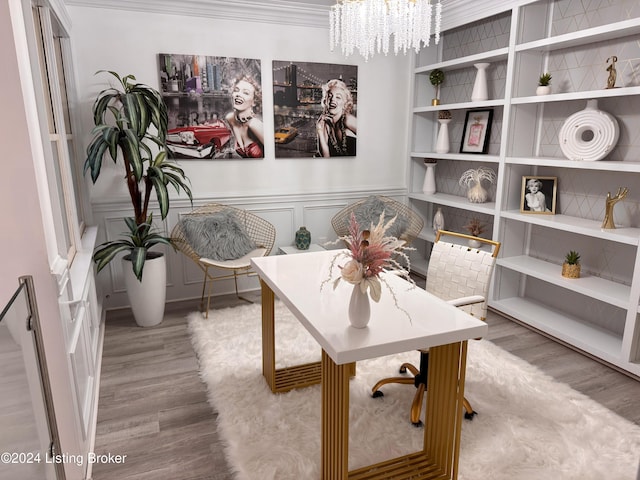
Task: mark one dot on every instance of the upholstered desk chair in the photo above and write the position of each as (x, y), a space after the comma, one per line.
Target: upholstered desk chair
(222, 237)
(460, 275)
(407, 226)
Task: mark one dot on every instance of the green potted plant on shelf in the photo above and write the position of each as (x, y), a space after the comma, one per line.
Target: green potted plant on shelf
(571, 265)
(131, 128)
(544, 84)
(436, 77)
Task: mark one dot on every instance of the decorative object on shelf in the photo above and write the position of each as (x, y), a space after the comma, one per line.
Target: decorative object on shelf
(479, 92)
(442, 142)
(611, 80)
(477, 131)
(538, 195)
(368, 25)
(544, 87)
(475, 228)
(438, 220)
(571, 265)
(303, 239)
(429, 184)
(472, 179)
(370, 252)
(589, 134)
(610, 203)
(436, 77)
(144, 171)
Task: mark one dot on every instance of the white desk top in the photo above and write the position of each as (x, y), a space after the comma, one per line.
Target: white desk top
(296, 280)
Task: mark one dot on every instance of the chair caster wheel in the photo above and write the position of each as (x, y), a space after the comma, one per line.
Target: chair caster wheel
(417, 424)
(377, 394)
(469, 416)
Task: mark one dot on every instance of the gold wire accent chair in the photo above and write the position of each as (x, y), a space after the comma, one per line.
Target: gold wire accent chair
(460, 275)
(214, 234)
(407, 226)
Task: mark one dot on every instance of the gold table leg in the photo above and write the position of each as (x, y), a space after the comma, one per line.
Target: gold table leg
(282, 379)
(442, 426)
(335, 418)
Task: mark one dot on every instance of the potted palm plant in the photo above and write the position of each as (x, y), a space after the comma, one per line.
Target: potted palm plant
(131, 125)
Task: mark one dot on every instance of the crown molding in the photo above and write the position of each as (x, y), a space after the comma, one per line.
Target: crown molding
(307, 13)
(284, 12)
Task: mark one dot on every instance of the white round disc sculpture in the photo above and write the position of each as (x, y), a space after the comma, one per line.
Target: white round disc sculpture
(589, 134)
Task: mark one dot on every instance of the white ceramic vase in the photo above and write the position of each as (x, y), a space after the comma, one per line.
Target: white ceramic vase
(590, 134)
(543, 90)
(359, 308)
(442, 142)
(429, 184)
(438, 220)
(147, 297)
(479, 92)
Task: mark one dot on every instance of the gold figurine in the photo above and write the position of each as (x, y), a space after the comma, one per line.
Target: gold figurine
(611, 81)
(608, 214)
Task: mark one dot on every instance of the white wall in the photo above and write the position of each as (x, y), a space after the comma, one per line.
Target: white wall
(128, 42)
(287, 192)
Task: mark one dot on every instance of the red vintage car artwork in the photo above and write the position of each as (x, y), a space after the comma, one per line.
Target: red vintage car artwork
(198, 141)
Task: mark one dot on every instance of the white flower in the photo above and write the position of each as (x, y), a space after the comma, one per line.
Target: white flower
(353, 272)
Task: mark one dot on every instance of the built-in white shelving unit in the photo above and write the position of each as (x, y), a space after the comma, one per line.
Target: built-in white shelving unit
(599, 312)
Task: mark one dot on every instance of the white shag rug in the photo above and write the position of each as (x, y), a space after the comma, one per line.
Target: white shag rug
(528, 427)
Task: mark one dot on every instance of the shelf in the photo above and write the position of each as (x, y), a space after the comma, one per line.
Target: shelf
(585, 336)
(455, 201)
(462, 156)
(526, 126)
(427, 234)
(584, 37)
(460, 106)
(586, 95)
(497, 55)
(606, 291)
(614, 166)
(580, 226)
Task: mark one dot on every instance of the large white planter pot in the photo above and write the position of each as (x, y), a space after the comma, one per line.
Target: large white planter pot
(147, 298)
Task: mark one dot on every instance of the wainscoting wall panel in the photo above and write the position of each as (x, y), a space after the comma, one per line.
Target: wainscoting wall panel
(184, 279)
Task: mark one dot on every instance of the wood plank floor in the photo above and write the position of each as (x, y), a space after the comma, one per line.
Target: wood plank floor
(153, 406)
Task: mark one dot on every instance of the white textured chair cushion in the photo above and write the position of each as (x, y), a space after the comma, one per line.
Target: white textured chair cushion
(242, 262)
(457, 271)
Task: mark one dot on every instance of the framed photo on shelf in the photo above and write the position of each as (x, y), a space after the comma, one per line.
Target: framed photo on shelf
(477, 129)
(539, 195)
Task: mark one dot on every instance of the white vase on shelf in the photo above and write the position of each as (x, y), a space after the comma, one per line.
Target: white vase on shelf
(438, 220)
(442, 142)
(429, 185)
(479, 92)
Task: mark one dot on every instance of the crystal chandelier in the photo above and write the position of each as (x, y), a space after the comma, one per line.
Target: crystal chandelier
(368, 25)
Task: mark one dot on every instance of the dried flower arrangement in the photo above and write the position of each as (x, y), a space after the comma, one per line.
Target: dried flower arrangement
(475, 227)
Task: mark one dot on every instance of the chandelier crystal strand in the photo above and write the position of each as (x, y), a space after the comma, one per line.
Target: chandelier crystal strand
(367, 25)
(426, 33)
(438, 20)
